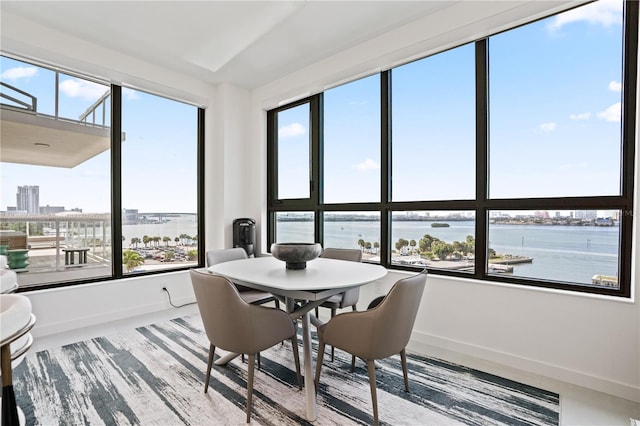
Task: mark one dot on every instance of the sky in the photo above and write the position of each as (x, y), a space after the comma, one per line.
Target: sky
(159, 151)
(555, 105)
(554, 128)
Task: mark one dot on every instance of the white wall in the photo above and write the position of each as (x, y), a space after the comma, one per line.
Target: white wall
(593, 341)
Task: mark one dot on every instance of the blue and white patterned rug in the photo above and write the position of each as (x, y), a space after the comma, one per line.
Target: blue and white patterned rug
(154, 375)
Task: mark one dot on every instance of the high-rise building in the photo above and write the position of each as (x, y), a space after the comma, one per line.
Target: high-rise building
(28, 198)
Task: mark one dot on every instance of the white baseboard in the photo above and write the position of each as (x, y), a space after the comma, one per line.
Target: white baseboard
(45, 330)
(522, 369)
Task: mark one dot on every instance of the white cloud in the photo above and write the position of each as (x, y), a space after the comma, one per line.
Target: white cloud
(293, 129)
(75, 88)
(603, 12)
(573, 166)
(580, 117)
(130, 93)
(615, 86)
(19, 72)
(613, 113)
(366, 165)
(548, 127)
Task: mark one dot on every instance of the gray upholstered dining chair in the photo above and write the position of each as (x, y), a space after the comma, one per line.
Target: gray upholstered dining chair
(377, 333)
(234, 325)
(255, 297)
(349, 297)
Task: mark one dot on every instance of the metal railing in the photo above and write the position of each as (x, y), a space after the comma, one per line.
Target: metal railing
(29, 106)
(95, 115)
(91, 111)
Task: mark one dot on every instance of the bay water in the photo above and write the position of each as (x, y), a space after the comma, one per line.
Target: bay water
(564, 253)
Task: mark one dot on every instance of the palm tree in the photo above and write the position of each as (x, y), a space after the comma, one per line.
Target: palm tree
(361, 243)
(131, 260)
(376, 246)
(145, 240)
(135, 241)
(177, 240)
(166, 240)
(192, 254)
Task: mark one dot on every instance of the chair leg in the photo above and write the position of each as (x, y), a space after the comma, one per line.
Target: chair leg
(242, 357)
(212, 350)
(353, 363)
(9, 407)
(333, 314)
(277, 303)
(403, 357)
(372, 384)
(319, 362)
(317, 313)
(252, 363)
(296, 355)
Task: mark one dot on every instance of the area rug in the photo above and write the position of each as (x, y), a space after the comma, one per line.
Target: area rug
(154, 375)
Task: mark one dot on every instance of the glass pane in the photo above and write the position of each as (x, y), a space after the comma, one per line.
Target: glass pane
(433, 132)
(159, 183)
(579, 246)
(294, 153)
(436, 239)
(352, 142)
(56, 184)
(76, 94)
(295, 227)
(354, 230)
(555, 101)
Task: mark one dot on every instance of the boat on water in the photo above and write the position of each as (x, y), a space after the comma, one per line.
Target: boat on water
(439, 225)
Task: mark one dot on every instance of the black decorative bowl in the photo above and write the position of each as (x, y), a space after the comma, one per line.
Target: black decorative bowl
(296, 255)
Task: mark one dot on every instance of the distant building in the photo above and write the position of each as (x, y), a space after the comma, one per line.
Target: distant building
(586, 214)
(130, 216)
(51, 209)
(28, 198)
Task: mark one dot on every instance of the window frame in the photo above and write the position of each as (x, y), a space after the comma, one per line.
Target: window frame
(117, 272)
(482, 204)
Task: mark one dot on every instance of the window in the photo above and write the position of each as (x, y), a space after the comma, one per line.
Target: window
(510, 159)
(294, 226)
(433, 131)
(159, 181)
(61, 178)
(555, 105)
(434, 239)
(294, 152)
(354, 230)
(352, 142)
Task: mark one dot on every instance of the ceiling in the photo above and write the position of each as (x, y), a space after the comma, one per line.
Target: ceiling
(247, 43)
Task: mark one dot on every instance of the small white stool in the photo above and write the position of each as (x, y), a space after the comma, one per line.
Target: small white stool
(16, 320)
(8, 281)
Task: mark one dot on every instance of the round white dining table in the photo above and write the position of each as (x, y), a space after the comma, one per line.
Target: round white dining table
(309, 287)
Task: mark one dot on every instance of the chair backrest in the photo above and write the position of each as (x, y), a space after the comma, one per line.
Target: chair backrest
(349, 297)
(394, 317)
(232, 324)
(353, 255)
(225, 255)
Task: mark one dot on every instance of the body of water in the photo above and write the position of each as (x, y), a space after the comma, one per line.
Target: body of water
(171, 227)
(564, 253)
